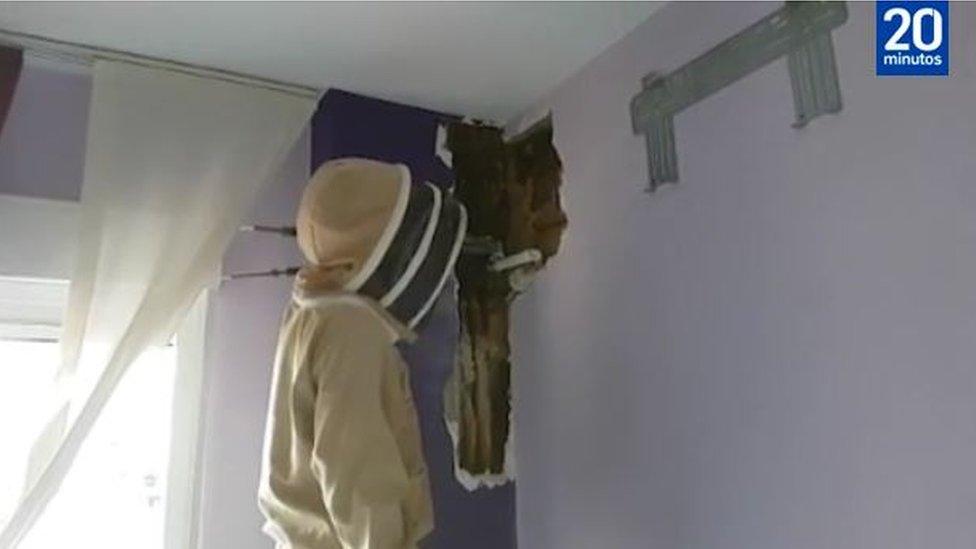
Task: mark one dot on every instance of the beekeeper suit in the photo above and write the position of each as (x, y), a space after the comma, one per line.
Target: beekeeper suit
(343, 466)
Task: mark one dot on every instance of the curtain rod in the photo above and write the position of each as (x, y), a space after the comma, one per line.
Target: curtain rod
(83, 53)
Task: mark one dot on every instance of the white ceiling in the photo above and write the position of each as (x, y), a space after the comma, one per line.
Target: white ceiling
(484, 59)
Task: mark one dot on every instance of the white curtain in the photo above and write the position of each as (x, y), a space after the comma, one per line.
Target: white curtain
(173, 164)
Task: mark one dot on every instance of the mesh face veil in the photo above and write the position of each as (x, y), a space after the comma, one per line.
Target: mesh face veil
(365, 227)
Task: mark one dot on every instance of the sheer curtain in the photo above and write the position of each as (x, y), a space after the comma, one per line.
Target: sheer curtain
(173, 163)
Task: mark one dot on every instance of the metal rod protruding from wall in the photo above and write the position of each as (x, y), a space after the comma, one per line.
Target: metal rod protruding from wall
(283, 230)
(486, 246)
(289, 271)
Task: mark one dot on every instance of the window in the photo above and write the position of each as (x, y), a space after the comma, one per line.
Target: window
(115, 493)
(20, 410)
(114, 496)
(133, 484)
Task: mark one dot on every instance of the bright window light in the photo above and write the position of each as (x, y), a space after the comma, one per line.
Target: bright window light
(114, 495)
(26, 371)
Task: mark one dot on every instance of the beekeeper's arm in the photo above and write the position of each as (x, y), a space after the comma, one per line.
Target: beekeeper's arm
(356, 459)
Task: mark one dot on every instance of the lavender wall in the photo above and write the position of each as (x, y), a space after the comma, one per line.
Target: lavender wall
(241, 338)
(352, 125)
(779, 351)
(42, 146)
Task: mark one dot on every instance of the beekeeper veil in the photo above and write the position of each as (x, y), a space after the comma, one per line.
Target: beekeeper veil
(364, 226)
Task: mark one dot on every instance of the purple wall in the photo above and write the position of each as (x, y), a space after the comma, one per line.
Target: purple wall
(348, 124)
(351, 125)
(779, 351)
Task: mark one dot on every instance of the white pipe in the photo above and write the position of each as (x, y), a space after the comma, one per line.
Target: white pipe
(531, 256)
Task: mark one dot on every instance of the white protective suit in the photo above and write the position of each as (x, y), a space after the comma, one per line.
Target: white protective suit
(343, 464)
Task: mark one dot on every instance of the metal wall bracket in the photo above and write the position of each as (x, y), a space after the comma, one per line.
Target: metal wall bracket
(799, 30)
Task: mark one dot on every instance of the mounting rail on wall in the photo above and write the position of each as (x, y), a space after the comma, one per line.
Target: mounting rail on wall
(798, 30)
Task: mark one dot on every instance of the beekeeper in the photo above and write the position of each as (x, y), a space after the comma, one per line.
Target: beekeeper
(343, 466)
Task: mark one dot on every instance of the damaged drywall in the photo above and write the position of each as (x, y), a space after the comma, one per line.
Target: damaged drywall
(511, 190)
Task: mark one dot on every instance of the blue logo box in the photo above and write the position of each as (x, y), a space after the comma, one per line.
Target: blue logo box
(912, 38)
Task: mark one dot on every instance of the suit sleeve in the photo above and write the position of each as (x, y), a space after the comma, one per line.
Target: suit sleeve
(356, 460)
